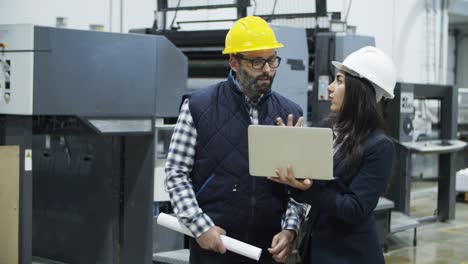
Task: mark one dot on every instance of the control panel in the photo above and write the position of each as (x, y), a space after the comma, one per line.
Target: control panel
(5, 84)
(16, 69)
(406, 113)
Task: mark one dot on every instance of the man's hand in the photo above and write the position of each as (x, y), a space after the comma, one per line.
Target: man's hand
(281, 245)
(211, 240)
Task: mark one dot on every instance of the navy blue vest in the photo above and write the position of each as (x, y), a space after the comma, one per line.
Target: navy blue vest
(248, 208)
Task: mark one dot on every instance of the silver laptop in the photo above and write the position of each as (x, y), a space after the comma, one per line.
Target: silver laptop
(308, 150)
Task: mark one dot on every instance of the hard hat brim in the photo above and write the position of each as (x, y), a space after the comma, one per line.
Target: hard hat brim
(266, 47)
(340, 66)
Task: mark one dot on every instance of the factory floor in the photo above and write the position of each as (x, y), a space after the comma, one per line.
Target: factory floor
(437, 243)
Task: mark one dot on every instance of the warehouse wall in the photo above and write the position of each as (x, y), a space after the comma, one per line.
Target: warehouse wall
(414, 32)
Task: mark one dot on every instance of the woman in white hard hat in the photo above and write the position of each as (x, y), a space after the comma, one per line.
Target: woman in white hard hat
(341, 227)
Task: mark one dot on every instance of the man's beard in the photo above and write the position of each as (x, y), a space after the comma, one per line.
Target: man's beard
(249, 84)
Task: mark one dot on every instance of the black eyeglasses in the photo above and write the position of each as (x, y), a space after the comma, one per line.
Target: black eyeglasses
(259, 63)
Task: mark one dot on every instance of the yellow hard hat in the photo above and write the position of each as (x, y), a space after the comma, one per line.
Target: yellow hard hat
(248, 34)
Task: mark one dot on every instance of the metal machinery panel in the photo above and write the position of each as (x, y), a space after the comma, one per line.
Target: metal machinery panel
(171, 78)
(83, 103)
(398, 114)
(67, 80)
(84, 85)
(401, 126)
(291, 76)
(349, 43)
(75, 197)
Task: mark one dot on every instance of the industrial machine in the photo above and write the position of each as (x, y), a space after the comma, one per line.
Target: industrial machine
(399, 114)
(81, 106)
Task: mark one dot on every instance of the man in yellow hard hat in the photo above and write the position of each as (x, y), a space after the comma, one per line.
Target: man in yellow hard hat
(207, 170)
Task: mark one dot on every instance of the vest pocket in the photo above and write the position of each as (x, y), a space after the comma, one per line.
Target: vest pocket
(216, 189)
(204, 185)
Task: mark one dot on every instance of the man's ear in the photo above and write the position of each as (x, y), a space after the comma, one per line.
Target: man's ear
(233, 63)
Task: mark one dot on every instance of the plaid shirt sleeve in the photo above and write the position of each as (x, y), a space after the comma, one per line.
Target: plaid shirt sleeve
(294, 215)
(178, 167)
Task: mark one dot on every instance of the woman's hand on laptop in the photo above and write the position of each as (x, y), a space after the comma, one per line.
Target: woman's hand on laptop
(289, 179)
(290, 121)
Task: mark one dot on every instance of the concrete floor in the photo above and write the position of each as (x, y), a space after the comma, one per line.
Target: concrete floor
(438, 243)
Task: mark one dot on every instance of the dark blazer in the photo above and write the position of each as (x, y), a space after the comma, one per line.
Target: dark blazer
(341, 227)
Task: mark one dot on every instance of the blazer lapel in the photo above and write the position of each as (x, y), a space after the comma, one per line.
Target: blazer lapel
(338, 166)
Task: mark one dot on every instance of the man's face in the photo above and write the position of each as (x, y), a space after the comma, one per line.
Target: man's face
(253, 80)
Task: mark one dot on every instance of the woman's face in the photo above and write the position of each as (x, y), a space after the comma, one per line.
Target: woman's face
(336, 92)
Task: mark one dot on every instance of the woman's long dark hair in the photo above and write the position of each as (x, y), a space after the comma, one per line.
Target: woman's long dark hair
(359, 116)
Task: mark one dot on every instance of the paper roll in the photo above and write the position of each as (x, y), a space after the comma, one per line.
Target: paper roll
(230, 244)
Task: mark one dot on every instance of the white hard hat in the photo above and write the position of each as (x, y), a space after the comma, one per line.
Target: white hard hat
(374, 65)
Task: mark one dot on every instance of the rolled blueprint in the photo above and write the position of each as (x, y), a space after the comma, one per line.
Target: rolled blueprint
(230, 244)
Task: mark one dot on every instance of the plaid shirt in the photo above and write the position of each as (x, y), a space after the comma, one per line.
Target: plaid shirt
(179, 165)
